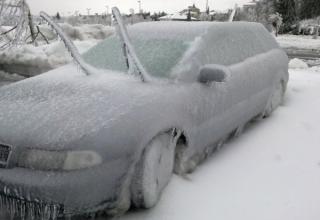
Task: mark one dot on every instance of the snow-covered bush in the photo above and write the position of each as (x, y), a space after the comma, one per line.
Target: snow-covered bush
(309, 26)
(16, 14)
(29, 60)
(298, 64)
(83, 32)
(276, 20)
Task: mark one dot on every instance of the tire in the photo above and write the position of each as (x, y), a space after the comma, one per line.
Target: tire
(153, 172)
(275, 100)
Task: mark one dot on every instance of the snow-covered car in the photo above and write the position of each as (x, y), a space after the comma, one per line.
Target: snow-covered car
(76, 144)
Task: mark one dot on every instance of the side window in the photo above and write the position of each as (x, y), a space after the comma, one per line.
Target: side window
(188, 69)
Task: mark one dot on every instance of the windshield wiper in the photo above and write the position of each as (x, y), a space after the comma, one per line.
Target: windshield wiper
(133, 62)
(87, 68)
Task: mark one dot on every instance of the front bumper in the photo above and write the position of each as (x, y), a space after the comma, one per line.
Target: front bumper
(64, 193)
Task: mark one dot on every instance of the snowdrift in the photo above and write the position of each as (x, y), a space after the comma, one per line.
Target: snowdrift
(83, 32)
(28, 60)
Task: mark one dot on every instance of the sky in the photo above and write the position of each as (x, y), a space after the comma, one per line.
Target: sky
(67, 7)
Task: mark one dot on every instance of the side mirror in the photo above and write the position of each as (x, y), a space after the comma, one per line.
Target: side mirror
(213, 73)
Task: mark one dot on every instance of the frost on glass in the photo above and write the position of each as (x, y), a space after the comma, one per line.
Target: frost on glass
(158, 56)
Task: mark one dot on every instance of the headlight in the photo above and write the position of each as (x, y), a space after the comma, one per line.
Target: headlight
(58, 160)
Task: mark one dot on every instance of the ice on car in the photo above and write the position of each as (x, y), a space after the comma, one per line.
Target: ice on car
(74, 144)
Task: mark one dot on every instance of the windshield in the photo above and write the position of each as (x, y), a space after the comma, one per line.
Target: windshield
(158, 56)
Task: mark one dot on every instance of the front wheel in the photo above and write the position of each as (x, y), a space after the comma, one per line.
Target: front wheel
(153, 172)
(275, 100)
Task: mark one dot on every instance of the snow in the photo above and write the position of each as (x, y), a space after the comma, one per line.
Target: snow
(70, 46)
(29, 60)
(41, 59)
(82, 32)
(133, 61)
(269, 172)
(297, 64)
(299, 42)
(176, 16)
(6, 78)
(174, 46)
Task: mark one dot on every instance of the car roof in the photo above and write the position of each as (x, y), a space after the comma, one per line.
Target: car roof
(169, 29)
(188, 31)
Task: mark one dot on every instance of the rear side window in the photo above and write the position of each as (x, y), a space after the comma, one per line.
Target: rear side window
(225, 44)
(233, 44)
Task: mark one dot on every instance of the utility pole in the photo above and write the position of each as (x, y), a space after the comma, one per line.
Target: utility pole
(140, 10)
(88, 10)
(107, 7)
(207, 5)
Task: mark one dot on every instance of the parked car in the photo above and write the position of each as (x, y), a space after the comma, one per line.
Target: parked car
(76, 144)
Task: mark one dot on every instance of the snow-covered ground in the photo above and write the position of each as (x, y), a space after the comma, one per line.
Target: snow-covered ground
(271, 172)
(299, 42)
(29, 60)
(6, 78)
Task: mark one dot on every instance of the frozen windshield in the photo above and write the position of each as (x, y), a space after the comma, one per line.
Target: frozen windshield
(158, 56)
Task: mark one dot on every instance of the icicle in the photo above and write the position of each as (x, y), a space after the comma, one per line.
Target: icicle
(134, 64)
(15, 12)
(88, 69)
(24, 210)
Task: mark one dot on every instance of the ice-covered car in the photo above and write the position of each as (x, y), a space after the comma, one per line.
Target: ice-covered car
(74, 144)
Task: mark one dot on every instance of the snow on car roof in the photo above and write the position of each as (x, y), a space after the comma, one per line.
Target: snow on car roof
(169, 30)
(161, 45)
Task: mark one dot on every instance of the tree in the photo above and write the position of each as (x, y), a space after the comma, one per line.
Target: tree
(58, 17)
(288, 11)
(16, 14)
(155, 17)
(309, 9)
(189, 16)
(276, 21)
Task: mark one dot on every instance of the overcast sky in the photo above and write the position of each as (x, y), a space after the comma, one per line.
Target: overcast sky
(99, 6)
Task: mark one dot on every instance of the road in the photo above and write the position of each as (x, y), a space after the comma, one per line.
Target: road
(312, 57)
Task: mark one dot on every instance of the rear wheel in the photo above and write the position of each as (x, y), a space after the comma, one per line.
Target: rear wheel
(153, 172)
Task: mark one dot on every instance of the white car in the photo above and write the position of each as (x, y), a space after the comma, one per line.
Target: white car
(158, 98)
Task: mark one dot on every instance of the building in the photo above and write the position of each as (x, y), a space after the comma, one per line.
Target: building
(249, 7)
(177, 17)
(193, 10)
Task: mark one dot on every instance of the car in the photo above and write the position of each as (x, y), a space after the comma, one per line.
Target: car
(156, 99)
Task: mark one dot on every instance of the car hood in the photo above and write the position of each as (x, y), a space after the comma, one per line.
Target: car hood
(65, 105)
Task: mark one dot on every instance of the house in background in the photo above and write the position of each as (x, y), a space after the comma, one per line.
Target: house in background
(193, 10)
(192, 13)
(177, 17)
(250, 6)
